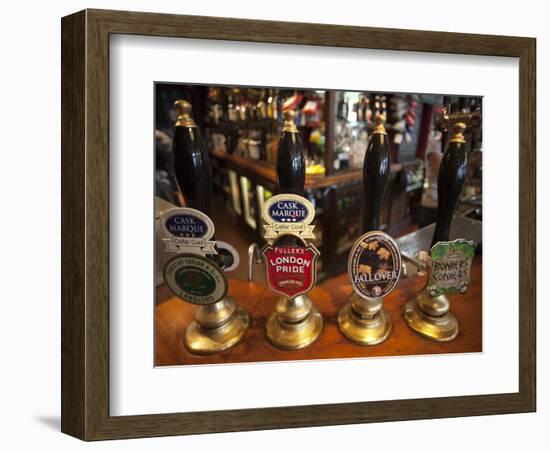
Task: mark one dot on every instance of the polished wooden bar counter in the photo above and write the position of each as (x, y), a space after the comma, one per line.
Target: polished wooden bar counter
(173, 315)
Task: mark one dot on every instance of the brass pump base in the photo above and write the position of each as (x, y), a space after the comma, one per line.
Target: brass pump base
(295, 324)
(217, 327)
(364, 321)
(430, 317)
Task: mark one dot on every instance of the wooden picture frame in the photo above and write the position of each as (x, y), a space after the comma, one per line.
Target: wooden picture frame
(85, 224)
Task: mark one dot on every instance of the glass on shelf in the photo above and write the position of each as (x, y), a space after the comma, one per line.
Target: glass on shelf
(249, 202)
(350, 134)
(235, 197)
(262, 195)
(250, 120)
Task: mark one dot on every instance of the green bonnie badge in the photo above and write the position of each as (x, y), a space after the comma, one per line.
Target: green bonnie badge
(450, 267)
(195, 279)
(288, 214)
(374, 265)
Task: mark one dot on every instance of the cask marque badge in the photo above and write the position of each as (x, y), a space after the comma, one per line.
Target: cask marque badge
(451, 263)
(190, 231)
(291, 265)
(195, 279)
(374, 265)
(288, 214)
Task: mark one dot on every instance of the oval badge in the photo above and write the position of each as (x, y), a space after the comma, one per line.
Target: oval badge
(374, 265)
(227, 257)
(187, 222)
(286, 210)
(288, 214)
(195, 279)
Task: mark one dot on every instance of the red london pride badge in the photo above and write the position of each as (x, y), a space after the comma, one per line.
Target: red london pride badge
(290, 265)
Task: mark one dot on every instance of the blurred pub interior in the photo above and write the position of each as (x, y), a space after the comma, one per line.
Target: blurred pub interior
(242, 125)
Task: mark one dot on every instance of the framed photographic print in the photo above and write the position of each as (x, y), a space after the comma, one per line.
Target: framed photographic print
(270, 224)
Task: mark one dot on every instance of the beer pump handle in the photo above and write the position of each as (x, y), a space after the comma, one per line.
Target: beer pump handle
(191, 161)
(376, 171)
(291, 166)
(452, 173)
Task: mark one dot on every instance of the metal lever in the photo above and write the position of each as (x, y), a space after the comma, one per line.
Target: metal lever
(191, 161)
(452, 174)
(376, 173)
(222, 324)
(291, 164)
(414, 267)
(254, 257)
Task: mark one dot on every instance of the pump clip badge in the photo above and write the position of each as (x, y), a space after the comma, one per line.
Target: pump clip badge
(288, 214)
(290, 265)
(195, 279)
(374, 265)
(190, 231)
(451, 263)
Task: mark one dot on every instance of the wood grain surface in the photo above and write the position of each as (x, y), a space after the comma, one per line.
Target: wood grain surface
(85, 223)
(173, 315)
(267, 171)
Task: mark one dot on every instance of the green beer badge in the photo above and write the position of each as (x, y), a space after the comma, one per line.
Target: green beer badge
(451, 263)
(195, 279)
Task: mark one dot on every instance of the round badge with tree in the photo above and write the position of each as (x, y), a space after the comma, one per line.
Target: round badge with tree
(374, 265)
(227, 258)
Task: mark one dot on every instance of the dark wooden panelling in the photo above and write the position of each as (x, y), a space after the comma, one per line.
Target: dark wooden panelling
(73, 227)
